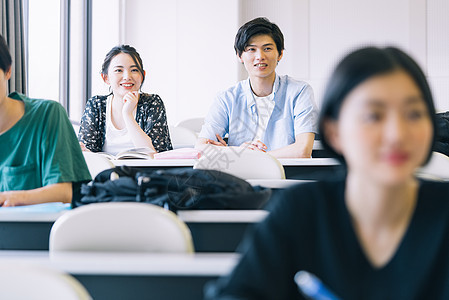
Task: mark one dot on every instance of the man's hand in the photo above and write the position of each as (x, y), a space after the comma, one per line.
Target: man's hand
(255, 145)
(221, 141)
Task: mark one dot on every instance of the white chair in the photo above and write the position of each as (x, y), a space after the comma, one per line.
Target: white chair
(76, 126)
(436, 168)
(122, 227)
(182, 137)
(19, 280)
(96, 163)
(194, 124)
(240, 162)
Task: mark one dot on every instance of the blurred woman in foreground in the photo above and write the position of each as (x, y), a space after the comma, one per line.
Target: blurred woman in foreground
(377, 233)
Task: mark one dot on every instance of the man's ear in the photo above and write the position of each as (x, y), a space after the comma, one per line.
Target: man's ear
(280, 55)
(105, 78)
(331, 133)
(239, 57)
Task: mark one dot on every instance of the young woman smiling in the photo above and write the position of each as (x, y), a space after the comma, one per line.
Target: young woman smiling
(126, 118)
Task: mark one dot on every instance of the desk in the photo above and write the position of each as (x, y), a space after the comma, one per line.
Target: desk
(212, 231)
(219, 230)
(155, 163)
(276, 183)
(310, 168)
(28, 227)
(295, 168)
(111, 276)
(319, 151)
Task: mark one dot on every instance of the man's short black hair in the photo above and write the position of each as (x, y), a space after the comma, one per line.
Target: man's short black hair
(255, 27)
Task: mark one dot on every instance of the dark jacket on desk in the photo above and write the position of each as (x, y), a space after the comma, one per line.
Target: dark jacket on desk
(310, 229)
(442, 133)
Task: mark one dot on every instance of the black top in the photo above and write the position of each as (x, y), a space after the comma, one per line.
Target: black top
(150, 115)
(310, 229)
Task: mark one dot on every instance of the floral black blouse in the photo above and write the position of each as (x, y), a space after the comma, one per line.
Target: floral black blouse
(150, 116)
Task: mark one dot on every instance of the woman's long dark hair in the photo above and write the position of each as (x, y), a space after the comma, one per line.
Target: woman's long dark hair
(5, 56)
(361, 65)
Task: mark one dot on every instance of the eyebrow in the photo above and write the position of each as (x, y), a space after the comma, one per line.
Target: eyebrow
(132, 66)
(409, 100)
(414, 99)
(264, 45)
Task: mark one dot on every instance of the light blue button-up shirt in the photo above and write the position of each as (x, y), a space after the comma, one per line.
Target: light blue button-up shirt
(234, 112)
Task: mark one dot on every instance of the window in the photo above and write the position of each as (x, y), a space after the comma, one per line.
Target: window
(43, 49)
(67, 47)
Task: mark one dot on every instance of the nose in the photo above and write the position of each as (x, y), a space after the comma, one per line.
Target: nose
(260, 54)
(395, 129)
(125, 74)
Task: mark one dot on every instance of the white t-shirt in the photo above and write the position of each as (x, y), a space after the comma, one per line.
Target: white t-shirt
(116, 140)
(265, 107)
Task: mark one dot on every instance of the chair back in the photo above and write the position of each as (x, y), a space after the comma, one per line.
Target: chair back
(120, 226)
(76, 126)
(241, 162)
(182, 137)
(96, 163)
(20, 280)
(436, 168)
(194, 124)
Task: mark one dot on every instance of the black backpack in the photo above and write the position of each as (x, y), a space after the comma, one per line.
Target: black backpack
(175, 189)
(442, 133)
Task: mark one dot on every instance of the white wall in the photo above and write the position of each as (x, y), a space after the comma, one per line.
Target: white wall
(187, 46)
(336, 29)
(438, 51)
(105, 35)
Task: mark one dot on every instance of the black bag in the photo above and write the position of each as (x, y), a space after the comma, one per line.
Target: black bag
(442, 133)
(178, 188)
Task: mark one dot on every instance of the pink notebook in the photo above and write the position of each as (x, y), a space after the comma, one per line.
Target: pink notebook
(181, 153)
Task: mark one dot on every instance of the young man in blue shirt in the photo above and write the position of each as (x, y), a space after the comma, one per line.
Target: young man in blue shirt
(265, 112)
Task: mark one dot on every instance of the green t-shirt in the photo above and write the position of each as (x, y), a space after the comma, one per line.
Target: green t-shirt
(41, 149)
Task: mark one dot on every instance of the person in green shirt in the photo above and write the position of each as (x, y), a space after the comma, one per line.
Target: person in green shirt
(40, 158)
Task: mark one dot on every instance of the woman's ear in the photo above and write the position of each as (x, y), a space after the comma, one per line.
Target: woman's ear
(8, 73)
(331, 132)
(105, 78)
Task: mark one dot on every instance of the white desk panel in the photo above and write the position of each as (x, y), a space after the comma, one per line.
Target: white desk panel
(121, 263)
